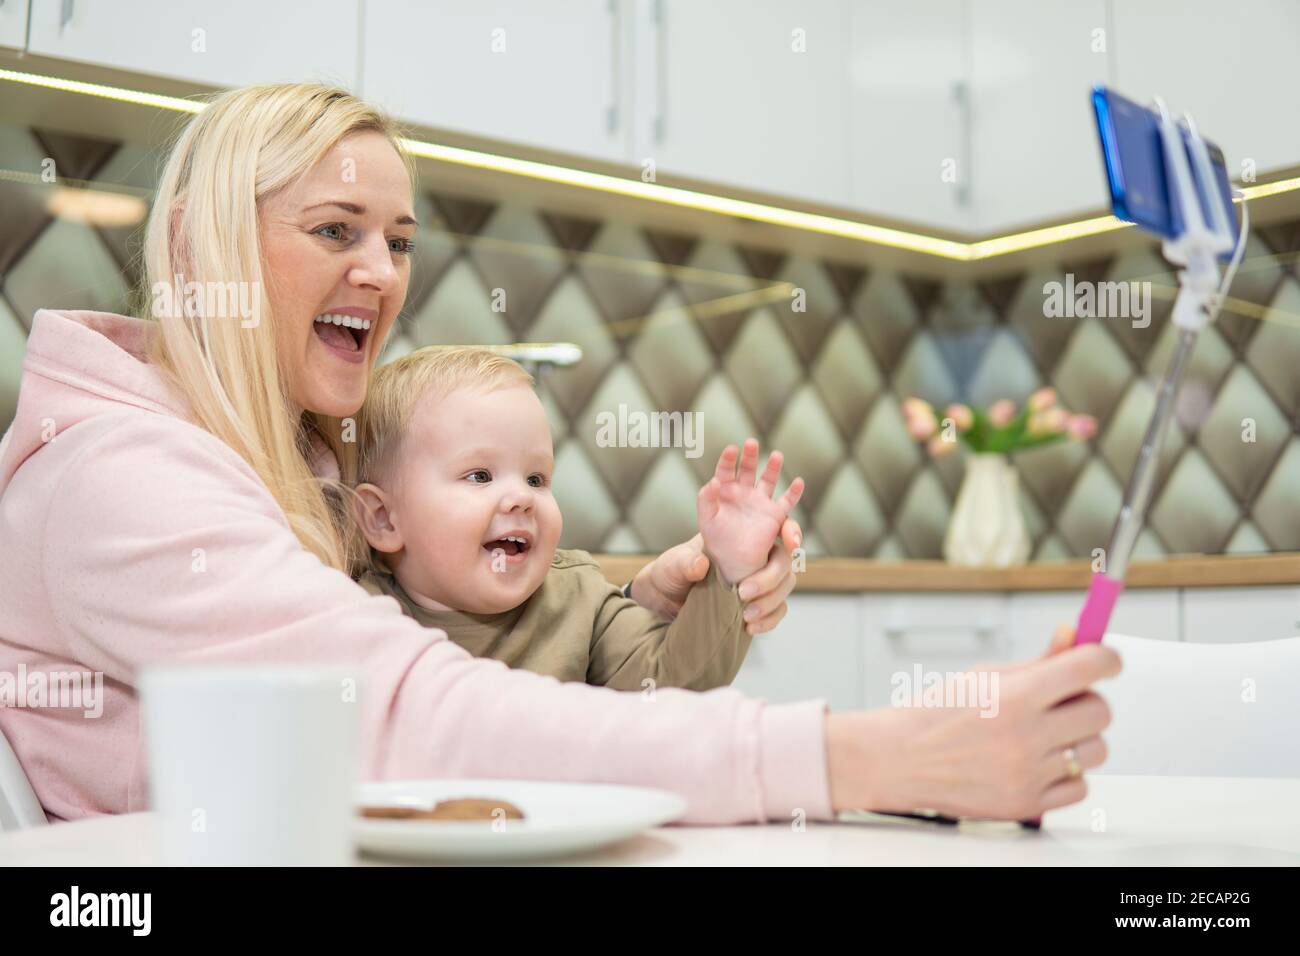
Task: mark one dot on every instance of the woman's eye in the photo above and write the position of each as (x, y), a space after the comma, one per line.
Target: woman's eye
(480, 476)
(334, 230)
(401, 246)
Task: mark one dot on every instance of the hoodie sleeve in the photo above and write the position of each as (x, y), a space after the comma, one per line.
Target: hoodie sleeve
(162, 545)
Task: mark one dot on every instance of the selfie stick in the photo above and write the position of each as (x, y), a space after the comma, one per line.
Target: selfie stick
(1206, 235)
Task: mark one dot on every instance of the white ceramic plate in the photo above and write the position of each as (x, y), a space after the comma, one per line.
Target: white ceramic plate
(559, 819)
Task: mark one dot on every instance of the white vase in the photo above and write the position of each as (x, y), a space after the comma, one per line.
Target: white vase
(986, 528)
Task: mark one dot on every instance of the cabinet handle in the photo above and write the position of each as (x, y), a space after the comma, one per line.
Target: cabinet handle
(961, 96)
(615, 66)
(65, 13)
(896, 631)
(661, 70)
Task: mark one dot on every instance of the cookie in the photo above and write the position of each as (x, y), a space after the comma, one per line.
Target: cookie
(461, 808)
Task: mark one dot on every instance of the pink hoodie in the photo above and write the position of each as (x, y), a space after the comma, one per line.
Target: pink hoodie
(98, 530)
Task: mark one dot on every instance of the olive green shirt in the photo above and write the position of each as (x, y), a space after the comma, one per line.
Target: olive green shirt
(578, 627)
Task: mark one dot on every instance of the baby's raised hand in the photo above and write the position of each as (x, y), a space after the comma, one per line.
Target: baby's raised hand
(738, 517)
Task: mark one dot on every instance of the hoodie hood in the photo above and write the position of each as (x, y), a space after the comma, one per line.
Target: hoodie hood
(80, 364)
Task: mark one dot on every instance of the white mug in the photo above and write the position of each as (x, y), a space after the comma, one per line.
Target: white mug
(252, 765)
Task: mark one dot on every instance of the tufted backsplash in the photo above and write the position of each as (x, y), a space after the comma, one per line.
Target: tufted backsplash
(676, 322)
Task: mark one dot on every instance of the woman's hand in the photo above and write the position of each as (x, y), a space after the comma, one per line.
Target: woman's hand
(1008, 766)
(662, 585)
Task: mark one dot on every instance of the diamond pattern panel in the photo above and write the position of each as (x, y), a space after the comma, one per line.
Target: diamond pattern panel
(676, 322)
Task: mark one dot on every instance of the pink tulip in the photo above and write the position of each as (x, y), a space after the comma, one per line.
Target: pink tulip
(1056, 418)
(938, 447)
(916, 408)
(1050, 421)
(961, 416)
(1001, 412)
(1081, 427)
(922, 425)
(1042, 399)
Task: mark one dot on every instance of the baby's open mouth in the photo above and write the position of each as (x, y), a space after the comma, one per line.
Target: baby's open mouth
(511, 545)
(346, 333)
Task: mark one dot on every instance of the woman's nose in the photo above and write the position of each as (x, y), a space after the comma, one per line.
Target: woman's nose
(375, 269)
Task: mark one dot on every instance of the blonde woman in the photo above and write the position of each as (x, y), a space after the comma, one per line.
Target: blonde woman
(164, 497)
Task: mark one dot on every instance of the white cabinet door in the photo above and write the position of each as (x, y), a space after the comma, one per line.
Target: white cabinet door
(13, 23)
(1232, 66)
(548, 74)
(909, 137)
(232, 43)
(815, 652)
(1238, 615)
(748, 93)
(1033, 67)
(918, 633)
(1035, 615)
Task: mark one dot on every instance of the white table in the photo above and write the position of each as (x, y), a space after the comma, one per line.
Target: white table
(1141, 821)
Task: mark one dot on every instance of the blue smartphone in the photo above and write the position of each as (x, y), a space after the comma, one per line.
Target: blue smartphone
(1133, 152)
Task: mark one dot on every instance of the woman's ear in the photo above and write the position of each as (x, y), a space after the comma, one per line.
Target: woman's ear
(371, 507)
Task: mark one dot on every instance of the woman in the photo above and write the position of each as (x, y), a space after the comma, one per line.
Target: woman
(160, 500)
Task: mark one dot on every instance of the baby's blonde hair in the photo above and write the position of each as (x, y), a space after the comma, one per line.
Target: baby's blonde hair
(395, 390)
(399, 386)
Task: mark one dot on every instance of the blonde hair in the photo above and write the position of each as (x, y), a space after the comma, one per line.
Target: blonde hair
(395, 390)
(437, 370)
(244, 147)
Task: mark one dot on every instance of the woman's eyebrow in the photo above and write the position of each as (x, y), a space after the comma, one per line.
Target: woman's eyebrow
(358, 210)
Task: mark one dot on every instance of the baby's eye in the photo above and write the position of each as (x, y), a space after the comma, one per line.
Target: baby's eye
(537, 481)
(480, 476)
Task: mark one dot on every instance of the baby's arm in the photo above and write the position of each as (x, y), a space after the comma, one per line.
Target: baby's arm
(702, 648)
(739, 520)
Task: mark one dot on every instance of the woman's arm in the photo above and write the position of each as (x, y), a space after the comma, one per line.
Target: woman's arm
(1007, 761)
(162, 546)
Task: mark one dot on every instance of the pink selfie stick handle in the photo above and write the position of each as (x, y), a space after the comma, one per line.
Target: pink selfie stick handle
(1103, 592)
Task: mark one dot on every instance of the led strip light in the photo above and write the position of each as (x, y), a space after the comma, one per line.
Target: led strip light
(683, 198)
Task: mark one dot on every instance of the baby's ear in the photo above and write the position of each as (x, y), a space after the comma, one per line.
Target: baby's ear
(370, 507)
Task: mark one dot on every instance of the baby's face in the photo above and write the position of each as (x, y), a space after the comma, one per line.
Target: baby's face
(475, 470)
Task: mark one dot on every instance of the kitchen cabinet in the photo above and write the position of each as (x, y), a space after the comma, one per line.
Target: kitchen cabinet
(815, 652)
(1032, 69)
(851, 648)
(551, 75)
(910, 112)
(933, 632)
(13, 23)
(233, 43)
(744, 93)
(1234, 615)
(1141, 612)
(1233, 66)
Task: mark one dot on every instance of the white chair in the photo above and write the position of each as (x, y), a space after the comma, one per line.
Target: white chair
(1204, 710)
(19, 807)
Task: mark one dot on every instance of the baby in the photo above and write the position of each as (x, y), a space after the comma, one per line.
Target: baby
(454, 500)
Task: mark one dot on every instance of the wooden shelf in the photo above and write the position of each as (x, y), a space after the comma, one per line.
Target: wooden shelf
(863, 574)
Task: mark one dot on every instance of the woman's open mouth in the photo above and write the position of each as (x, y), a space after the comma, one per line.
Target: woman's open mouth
(344, 335)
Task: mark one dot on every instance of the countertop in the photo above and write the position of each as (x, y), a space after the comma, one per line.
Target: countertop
(864, 574)
(1124, 821)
